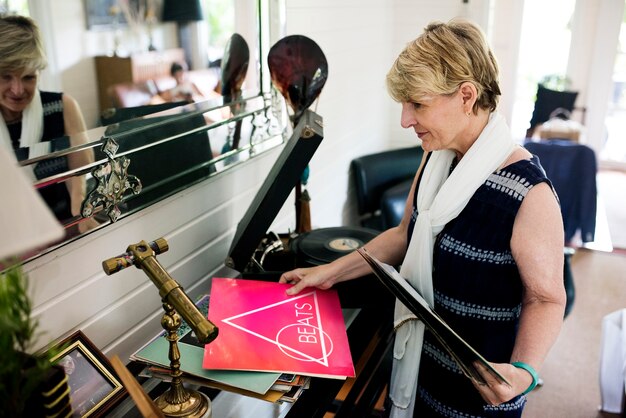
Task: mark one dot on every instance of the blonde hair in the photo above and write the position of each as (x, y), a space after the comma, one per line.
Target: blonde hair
(21, 47)
(440, 60)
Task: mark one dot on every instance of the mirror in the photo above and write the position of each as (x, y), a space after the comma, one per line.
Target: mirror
(144, 154)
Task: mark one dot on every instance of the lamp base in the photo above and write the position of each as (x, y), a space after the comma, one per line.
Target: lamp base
(197, 406)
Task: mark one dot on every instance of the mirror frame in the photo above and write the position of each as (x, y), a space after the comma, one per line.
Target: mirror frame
(263, 112)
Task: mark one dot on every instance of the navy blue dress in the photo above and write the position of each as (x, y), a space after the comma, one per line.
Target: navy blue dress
(478, 292)
(55, 195)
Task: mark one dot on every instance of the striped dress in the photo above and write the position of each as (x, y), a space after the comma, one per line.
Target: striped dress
(478, 292)
(56, 195)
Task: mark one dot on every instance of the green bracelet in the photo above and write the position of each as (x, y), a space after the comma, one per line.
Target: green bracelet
(529, 369)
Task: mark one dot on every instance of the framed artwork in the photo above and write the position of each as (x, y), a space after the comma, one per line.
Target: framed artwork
(101, 14)
(94, 386)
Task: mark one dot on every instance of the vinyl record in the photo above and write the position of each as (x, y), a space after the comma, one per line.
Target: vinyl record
(325, 245)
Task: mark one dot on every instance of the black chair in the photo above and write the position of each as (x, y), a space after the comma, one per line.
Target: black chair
(548, 101)
(382, 182)
(168, 167)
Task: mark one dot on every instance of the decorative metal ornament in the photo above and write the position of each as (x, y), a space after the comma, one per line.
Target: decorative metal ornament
(112, 182)
(299, 70)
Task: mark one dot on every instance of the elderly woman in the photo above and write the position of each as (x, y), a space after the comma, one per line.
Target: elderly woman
(29, 116)
(481, 238)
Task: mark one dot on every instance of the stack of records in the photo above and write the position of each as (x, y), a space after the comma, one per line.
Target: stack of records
(267, 383)
(300, 334)
(155, 356)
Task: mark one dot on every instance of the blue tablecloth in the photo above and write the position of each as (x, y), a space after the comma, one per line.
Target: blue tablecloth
(572, 169)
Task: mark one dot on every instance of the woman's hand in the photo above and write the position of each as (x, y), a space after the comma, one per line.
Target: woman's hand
(307, 277)
(495, 392)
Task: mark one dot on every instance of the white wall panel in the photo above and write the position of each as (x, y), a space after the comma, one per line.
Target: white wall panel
(70, 290)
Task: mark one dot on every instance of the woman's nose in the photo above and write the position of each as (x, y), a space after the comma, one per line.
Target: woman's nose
(17, 87)
(407, 118)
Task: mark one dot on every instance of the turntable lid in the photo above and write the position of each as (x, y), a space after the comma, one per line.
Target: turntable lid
(282, 178)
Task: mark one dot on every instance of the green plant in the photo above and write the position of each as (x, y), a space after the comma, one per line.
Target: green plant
(20, 372)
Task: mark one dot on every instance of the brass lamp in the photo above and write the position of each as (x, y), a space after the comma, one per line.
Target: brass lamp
(177, 401)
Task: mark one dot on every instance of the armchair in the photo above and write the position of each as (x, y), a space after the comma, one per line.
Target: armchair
(548, 101)
(382, 182)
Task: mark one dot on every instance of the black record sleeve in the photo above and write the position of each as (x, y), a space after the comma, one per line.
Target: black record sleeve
(464, 354)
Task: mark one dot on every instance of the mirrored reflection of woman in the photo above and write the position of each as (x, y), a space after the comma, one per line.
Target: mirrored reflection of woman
(30, 116)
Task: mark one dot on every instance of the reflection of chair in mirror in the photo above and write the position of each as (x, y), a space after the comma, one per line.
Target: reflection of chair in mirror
(131, 94)
(153, 91)
(382, 182)
(120, 114)
(167, 167)
(548, 101)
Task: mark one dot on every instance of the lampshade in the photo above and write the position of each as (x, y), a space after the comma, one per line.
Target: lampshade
(182, 10)
(25, 220)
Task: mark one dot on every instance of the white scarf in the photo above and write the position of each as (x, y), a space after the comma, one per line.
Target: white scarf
(439, 200)
(32, 126)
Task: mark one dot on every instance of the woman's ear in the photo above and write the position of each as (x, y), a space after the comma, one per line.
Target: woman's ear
(469, 95)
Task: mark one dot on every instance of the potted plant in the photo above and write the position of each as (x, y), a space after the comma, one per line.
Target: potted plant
(25, 223)
(27, 380)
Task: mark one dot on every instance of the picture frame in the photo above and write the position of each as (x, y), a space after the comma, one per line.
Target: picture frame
(99, 17)
(94, 386)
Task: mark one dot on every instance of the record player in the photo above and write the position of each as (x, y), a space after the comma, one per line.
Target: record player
(258, 254)
(256, 251)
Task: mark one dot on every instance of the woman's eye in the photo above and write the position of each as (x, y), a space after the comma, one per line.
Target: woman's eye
(416, 105)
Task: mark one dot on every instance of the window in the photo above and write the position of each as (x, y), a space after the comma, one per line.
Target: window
(615, 146)
(19, 7)
(544, 50)
(220, 18)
